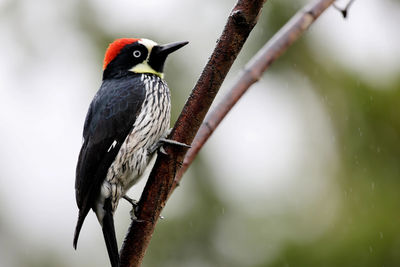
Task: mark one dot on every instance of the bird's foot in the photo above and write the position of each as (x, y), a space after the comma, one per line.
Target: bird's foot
(135, 206)
(134, 209)
(171, 142)
(161, 142)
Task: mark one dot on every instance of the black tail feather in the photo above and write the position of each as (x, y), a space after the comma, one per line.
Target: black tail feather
(81, 219)
(109, 234)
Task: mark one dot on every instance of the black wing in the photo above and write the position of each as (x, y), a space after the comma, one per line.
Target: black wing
(110, 118)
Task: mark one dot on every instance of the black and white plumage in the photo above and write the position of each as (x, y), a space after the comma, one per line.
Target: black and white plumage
(126, 119)
(151, 124)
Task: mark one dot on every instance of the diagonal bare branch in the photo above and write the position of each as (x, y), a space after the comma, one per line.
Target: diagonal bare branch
(252, 72)
(239, 25)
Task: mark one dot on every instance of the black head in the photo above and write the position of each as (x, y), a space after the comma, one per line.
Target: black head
(125, 56)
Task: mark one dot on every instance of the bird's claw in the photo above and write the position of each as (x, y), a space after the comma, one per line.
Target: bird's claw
(173, 142)
(159, 145)
(162, 150)
(135, 207)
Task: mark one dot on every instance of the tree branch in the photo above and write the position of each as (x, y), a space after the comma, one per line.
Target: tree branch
(344, 10)
(252, 72)
(239, 25)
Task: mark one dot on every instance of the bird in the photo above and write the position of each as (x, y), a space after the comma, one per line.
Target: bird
(126, 122)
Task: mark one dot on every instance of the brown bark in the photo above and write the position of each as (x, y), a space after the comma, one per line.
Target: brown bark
(239, 25)
(252, 72)
(161, 183)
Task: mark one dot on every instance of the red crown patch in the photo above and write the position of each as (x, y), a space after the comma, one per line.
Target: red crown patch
(114, 48)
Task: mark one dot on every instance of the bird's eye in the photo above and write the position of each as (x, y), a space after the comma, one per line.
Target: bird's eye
(137, 53)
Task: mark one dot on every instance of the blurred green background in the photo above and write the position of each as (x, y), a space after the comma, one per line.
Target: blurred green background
(303, 172)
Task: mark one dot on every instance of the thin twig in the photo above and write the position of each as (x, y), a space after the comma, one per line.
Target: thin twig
(252, 72)
(345, 10)
(239, 25)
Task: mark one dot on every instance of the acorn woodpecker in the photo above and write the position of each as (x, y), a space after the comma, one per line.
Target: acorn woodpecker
(126, 120)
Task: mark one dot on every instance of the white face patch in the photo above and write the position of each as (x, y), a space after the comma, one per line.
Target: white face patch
(149, 44)
(145, 67)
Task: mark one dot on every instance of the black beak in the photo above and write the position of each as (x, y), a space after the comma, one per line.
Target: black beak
(169, 48)
(159, 54)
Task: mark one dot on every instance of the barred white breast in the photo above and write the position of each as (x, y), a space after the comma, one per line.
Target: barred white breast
(151, 124)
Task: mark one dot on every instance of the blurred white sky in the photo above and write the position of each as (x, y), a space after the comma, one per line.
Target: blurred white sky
(273, 148)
